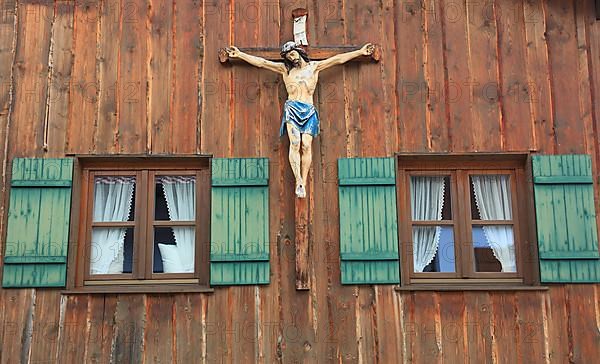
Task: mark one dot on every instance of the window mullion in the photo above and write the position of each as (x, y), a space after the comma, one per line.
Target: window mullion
(141, 223)
(464, 220)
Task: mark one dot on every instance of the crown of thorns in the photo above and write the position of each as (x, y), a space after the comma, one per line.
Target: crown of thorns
(288, 47)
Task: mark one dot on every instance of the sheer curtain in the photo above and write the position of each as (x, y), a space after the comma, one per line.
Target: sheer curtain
(180, 193)
(493, 198)
(427, 202)
(112, 203)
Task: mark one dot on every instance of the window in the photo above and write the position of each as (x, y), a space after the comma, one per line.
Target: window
(463, 219)
(143, 221)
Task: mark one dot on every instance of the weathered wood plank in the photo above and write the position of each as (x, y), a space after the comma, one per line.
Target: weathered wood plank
(388, 75)
(73, 329)
(83, 101)
(245, 89)
(268, 299)
(329, 98)
(515, 93)
(219, 326)
(502, 305)
(478, 324)
(366, 325)
(189, 315)
(582, 9)
(109, 83)
(96, 320)
(593, 46)
(427, 335)
(481, 89)
(30, 74)
(557, 337)
(562, 55)
(584, 333)
(371, 111)
(186, 76)
(160, 76)
(44, 338)
(454, 22)
(18, 307)
(61, 62)
(530, 332)
(129, 329)
(436, 78)
(390, 347)
(413, 124)
(133, 59)
(159, 339)
(7, 56)
(217, 82)
(538, 76)
(452, 321)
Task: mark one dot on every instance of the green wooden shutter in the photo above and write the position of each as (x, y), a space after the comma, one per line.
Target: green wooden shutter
(368, 221)
(38, 223)
(566, 219)
(240, 221)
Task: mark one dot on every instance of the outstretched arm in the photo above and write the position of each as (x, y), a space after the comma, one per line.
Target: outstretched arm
(234, 52)
(342, 58)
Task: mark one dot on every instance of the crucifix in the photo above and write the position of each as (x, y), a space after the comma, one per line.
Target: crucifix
(300, 118)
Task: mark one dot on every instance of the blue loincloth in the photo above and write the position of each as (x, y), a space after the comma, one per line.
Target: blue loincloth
(302, 115)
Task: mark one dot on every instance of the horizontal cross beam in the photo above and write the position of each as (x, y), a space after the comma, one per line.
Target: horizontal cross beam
(315, 53)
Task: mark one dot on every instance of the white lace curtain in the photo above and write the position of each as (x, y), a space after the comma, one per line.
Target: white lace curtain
(493, 198)
(112, 203)
(180, 193)
(427, 202)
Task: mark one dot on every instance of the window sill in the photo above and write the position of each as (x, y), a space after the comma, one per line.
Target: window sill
(163, 288)
(469, 287)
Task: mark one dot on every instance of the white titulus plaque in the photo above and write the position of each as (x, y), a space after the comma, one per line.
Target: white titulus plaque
(300, 31)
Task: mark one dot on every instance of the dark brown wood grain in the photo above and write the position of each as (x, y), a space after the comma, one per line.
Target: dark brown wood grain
(108, 80)
(61, 60)
(160, 76)
(515, 94)
(46, 326)
(30, 72)
(132, 93)
(159, 341)
(73, 329)
(562, 45)
(83, 86)
(188, 50)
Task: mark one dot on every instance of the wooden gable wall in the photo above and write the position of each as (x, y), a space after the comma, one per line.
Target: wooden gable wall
(142, 76)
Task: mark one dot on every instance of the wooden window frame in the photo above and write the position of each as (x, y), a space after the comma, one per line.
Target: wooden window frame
(460, 167)
(142, 278)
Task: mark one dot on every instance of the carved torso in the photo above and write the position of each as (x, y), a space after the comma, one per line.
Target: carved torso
(301, 82)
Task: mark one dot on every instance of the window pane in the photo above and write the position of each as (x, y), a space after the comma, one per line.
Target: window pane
(494, 248)
(114, 198)
(174, 249)
(433, 249)
(111, 250)
(490, 197)
(430, 198)
(175, 198)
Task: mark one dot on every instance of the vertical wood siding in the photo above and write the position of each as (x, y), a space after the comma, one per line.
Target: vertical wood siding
(142, 76)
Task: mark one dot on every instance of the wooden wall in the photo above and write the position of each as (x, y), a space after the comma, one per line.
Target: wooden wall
(142, 76)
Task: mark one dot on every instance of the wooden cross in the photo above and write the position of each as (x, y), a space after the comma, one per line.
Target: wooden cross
(301, 206)
(315, 53)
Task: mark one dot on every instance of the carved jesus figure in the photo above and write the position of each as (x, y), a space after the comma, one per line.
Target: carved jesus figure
(300, 118)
